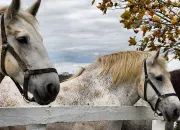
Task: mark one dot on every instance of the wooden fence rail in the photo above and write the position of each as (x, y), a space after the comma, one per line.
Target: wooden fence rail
(36, 118)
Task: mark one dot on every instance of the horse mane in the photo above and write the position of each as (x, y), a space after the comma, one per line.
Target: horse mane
(125, 66)
(175, 80)
(77, 74)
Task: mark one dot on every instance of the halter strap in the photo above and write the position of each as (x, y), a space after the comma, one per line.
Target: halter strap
(160, 97)
(4, 44)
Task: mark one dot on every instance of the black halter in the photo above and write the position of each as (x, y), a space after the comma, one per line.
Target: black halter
(7, 47)
(160, 97)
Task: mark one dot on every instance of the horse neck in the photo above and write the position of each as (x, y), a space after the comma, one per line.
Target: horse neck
(92, 89)
(127, 94)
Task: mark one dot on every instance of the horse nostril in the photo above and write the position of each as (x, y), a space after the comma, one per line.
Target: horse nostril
(51, 89)
(176, 112)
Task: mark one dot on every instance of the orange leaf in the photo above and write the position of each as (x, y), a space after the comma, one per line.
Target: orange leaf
(100, 6)
(174, 20)
(171, 16)
(132, 41)
(156, 18)
(110, 4)
(144, 29)
(151, 12)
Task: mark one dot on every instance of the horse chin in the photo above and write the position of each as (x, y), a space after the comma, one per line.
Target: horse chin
(39, 100)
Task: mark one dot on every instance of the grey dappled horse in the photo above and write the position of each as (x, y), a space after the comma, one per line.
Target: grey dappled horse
(23, 55)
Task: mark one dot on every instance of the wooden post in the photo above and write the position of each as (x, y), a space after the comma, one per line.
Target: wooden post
(36, 127)
(158, 125)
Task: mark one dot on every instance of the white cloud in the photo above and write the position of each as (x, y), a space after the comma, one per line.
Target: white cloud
(69, 67)
(173, 64)
(75, 32)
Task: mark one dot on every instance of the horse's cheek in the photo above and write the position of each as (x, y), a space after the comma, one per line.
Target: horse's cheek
(11, 66)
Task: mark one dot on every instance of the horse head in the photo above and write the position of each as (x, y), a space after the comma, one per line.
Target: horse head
(23, 55)
(156, 88)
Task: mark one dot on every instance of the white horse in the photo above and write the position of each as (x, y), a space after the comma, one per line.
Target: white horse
(115, 80)
(23, 55)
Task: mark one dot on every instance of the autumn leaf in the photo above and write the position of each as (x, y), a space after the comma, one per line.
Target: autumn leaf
(174, 20)
(132, 41)
(156, 19)
(129, 5)
(150, 12)
(106, 1)
(110, 4)
(100, 6)
(135, 10)
(144, 29)
(170, 36)
(146, 39)
(171, 16)
(163, 9)
(160, 19)
(136, 31)
(93, 2)
(126, 14)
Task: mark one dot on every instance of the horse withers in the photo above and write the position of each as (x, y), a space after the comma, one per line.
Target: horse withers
(23, 55)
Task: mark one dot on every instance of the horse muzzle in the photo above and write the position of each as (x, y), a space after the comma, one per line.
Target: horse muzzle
(45, 88)
(170, 108)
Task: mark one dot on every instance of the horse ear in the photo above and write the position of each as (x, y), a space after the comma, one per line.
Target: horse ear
(34, 8)
(13, 9)
(156, 56)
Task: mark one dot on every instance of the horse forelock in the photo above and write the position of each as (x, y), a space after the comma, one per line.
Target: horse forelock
(125, 67)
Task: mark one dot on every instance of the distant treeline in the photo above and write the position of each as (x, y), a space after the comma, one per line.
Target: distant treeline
(64, 76)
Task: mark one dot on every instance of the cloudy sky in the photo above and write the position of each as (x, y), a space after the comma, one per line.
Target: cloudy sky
(75, 32)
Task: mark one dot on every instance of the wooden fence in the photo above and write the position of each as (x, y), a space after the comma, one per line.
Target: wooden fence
(36, 118)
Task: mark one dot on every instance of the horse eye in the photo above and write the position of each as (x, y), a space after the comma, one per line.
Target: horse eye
(159, 78)
(22, 40)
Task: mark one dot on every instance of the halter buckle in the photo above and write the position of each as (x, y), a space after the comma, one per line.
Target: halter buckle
(26, 71)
